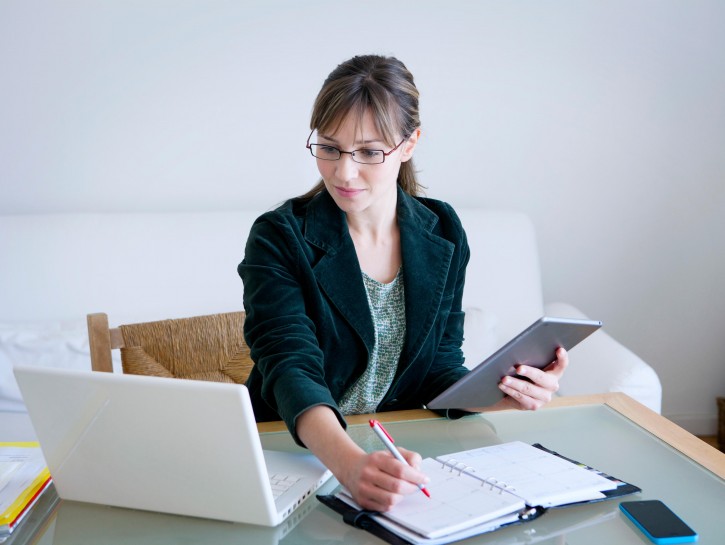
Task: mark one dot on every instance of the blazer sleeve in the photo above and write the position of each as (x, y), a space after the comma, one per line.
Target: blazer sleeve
(281, 337)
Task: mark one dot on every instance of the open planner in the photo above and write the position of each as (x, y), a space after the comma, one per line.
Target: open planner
(481, 490)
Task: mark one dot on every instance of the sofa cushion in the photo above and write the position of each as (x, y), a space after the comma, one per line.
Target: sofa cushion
(503, 276)
(62, 344)
(480, 335)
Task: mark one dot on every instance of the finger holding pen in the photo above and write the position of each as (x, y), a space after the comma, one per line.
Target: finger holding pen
(376, 480)
(389, 443)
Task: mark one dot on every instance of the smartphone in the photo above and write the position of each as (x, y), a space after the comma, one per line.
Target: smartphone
(658, 522)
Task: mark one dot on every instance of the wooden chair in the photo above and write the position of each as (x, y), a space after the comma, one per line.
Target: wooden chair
(202, 348)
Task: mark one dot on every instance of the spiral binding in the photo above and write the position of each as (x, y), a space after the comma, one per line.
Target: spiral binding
(454, 465)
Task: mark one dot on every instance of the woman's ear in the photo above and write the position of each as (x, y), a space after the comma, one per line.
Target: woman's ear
(409, 146)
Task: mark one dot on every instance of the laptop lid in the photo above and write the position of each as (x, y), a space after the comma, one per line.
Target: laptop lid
(174, 446)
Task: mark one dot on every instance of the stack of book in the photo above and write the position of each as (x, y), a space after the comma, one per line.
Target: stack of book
(24, 477)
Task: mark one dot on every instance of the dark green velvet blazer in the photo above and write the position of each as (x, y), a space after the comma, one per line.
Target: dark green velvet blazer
(308, 323)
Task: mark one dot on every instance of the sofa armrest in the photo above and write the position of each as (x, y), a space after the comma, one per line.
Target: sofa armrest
(601, 364)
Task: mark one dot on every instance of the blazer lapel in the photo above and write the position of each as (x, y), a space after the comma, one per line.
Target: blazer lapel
(426, 261)
(336, 274)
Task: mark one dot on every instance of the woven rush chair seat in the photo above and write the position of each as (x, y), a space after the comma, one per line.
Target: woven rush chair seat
(201, 348)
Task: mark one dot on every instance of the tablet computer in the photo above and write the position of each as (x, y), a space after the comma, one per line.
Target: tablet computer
(535, 346)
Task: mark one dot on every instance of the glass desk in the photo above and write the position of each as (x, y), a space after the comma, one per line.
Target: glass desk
(610, 432)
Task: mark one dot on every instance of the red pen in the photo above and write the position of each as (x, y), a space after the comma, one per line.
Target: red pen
(388, 441)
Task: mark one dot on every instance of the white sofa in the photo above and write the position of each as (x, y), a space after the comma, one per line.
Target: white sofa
(56, 268)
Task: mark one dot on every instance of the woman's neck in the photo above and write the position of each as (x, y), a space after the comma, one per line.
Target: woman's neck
(372, 230)
(377, 244)
(375, 223)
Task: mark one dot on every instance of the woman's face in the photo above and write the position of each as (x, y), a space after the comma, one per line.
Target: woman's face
(362, 188)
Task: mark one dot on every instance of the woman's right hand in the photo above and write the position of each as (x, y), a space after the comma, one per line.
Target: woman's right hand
(378, 481)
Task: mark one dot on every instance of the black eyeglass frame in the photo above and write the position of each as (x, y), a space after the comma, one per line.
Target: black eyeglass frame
(350, 153)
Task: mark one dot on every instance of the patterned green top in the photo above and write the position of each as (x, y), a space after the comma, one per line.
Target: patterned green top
(387, 306)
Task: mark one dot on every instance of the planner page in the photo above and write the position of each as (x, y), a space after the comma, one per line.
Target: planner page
(457, 501)
(540, 478)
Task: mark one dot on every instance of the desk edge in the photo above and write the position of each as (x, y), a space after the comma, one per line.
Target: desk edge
(678, 438)
(681, 440)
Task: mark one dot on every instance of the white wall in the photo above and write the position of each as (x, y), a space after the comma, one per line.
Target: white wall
(605, 121)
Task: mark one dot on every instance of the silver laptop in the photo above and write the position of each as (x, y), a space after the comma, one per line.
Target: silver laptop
(175, 446)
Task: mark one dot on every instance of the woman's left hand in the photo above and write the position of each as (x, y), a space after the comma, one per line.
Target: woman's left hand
(544, 383)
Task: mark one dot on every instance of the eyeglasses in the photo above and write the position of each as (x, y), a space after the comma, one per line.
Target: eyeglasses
(364, 156)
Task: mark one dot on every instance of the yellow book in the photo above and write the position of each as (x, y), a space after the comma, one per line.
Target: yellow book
(23, 477)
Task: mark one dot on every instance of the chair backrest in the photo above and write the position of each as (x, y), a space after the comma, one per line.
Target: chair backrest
(203, 347)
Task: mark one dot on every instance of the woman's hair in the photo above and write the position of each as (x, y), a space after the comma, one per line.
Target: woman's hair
(384, 87)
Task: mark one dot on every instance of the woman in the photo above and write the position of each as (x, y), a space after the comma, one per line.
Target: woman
(353, 291)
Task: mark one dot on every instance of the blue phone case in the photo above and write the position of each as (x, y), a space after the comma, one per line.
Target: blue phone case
(682, 533)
